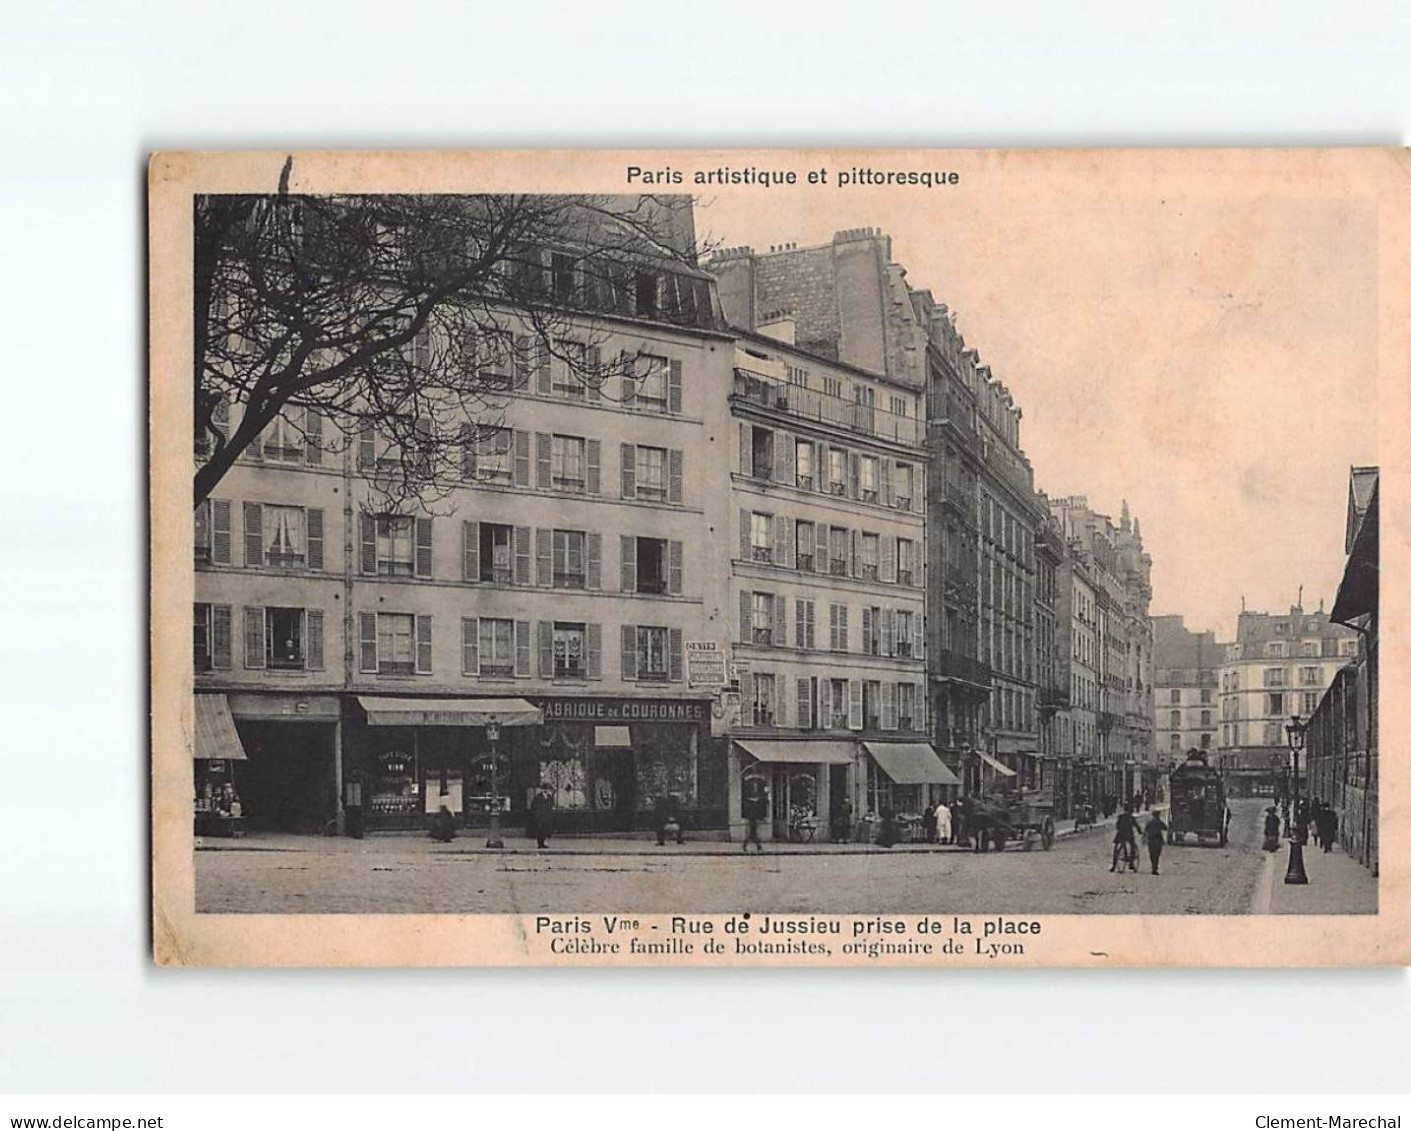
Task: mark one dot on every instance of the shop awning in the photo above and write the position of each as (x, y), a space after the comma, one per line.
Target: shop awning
(911, 763)
(998, 766)
(216, 737)
(382, 712)
(825, 752)
(606, 738)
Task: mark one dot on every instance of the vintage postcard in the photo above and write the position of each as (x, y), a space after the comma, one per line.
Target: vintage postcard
(780, 557)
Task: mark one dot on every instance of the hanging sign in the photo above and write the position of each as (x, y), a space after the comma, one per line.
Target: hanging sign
(705, 665)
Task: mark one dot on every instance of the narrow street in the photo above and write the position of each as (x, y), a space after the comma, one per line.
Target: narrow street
(404, 875)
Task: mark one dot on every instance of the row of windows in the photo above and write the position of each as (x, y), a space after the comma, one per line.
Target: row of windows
(1173, 742)
(1206, 718)
(764, 621)
(779, 457)
(832, 703)
(839, 551)
(1206, 696)
(1275, 703)
(292, 639)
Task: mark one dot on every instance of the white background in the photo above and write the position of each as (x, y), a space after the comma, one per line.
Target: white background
(87, 90)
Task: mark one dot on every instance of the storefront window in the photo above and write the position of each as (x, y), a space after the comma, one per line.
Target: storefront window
(666, 763)
(394, 786)
(563, 765)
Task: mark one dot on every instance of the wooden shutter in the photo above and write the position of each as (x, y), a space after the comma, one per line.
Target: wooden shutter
(919, 698)
(808, 632)
(889, 706)
(889, 632)
(367, 448)
(781, 621)
(593, 470)
(784, 541)
(673, 387)
(544, 449)
(313, 437)
(254, 636)
(220, 637)
(521, 556)
(825, 706)
(595, 650)
(746, 616)
(784, 458)
(855, 554)
(594, 377)
(470, 551)
(220, 531)
(746, 450)
(676, 663)
(523, 350)
(833, 628)
(918, 492)
(313, 523)
(744, 535)
(595, 561)
(629, 471)
(803, 539)
(820, 468)
(470, 646)
(627, 551)
(803, 704)
(887, 551)
(313, 648)
(854, 475)
(545, 385)
(800, 622)
(423, 644)
(867, 629)
(423, 547)
(675, 470)
(821, 549)
(781, 701)
(629, 380)
(368, 537)
(521, 459)
(544, 557)
(367, 638)
(254, 535)
(843, 628)
(854, 704)
(629, 651)
(546, 649)
(675, 568)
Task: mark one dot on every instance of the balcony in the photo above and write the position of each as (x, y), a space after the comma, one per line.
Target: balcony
(811, 404)
(1107, 721)
(1053, 699)
(956, 666)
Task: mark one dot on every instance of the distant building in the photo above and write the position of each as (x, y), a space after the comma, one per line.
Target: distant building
(1187, 679)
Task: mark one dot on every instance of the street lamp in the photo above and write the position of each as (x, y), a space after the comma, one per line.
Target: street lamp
(1295, 874)
(492, 733)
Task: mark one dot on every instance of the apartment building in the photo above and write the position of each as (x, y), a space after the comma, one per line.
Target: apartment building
(1187, 682)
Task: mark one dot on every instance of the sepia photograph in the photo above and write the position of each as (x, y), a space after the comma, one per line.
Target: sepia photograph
(790, 535)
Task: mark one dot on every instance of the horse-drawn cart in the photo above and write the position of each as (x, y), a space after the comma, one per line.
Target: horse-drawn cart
(1025, 816)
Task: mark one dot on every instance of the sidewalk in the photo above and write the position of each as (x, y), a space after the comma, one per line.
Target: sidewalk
(1337, 885)
(472, 842)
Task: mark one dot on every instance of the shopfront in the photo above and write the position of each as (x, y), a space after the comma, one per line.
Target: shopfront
(806, 783)
(217, 750)
(905, 777)
(289, 781)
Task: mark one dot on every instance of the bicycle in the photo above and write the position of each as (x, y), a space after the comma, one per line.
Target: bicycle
(1125, 856)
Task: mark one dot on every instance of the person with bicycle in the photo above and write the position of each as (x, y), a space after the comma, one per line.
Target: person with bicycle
(1124, 841)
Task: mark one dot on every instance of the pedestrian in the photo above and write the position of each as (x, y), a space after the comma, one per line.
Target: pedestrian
(887, 833)
(960, 821)
(842, 822)
(942, 822)
(443, 825)
(754, 808)
(541, 811)
(1271, 829)
(668, 820)
(1155, 841)
(928, 824)
(1330, 828)
(1124, 840)
(1315, 821)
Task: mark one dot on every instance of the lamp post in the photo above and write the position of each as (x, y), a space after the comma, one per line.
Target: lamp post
(492, 734)
(1295, 874)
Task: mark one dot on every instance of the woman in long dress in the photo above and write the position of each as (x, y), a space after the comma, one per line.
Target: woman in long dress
(1271, 829)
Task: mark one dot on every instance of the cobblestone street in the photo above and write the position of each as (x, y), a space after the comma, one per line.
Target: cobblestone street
(407, 875)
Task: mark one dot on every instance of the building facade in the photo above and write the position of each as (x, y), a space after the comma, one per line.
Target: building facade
(1187, 680)
(567, 567)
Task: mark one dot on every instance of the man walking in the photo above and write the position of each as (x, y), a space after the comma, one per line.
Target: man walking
(754, 808)
(942, 823)
(541, 812)
(1124, 841)
(1155, 841)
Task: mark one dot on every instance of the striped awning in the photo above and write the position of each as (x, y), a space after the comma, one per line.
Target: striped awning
(911, 763)
(216, 737)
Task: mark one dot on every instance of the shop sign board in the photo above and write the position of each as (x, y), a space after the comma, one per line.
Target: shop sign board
(705, 665)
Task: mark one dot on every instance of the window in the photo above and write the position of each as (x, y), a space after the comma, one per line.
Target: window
(762, 453)
(898, 406)
(1273, 734)
(651, 373)
(495, 359)
(1205, 719)
(803, 463)
(1310, 677)
(1205, 742)
(565, 276)
(496, 646)
(1175, 696)
(1273, 677)
(651, 565)
(797, 376)
(869, 479)
(1175, 742)
(570, 553)
(804, 545)
(902, 485)
(1175, 718)
(651, 473)
(284, 639)
(282, 441)
(872, 631)
(201, 638)
(906, 706)
(569, 650)
(1274, 648)
(493, 455)
(1310, 648)
(762, 618)
(838, 551)
(566, 459)
(395, 634)
(803, 623)
(871, 550)
(1310, 703)
(651, 652)
(1274, 704)
(1347, 647)
(871, 705)
(202, 518)
(394, 545)
(569, 368)
(833, 386)
(646, 287)
(763, 700)
(906, 628)
(496, 553)
(838, 704)
(837, 471)
(906, 561)
(1234, 681)
(761, 537)
(1205, 695)
(283, 533)
(838, 628)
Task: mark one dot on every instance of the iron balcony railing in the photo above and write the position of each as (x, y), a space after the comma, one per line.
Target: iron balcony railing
(956, 665)
(811, 404)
